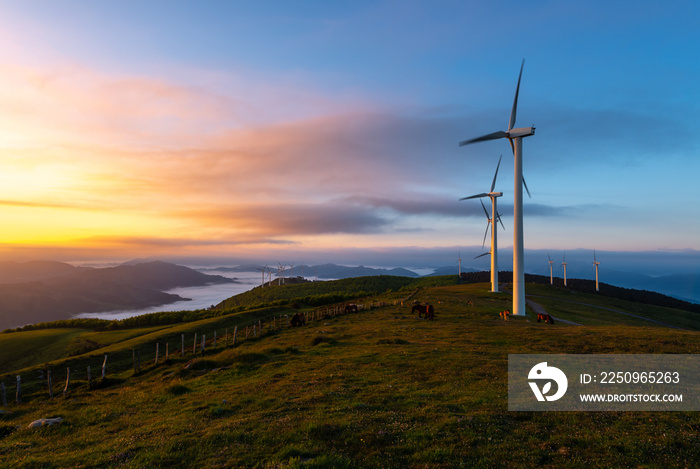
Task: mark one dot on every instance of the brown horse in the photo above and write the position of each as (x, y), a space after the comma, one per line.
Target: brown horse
(545, 318)
(297, 320)
(351, 308)
(428, 310)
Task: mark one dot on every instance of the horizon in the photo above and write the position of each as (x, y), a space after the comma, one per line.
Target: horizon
(251, 132)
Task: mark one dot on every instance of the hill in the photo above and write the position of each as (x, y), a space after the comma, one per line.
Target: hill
(375, 389)
(48, 291)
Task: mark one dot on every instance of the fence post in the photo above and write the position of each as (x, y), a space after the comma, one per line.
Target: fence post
(204, 339)
(167, 350)
(246, 332)
(89, 378)
(18, 393)
(104, 367)
(65, 390)
(157, 350)
(235, 331)
(260, 331)
(183, 344)
(50, 383)
(194, 347)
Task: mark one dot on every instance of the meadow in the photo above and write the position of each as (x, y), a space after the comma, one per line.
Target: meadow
(376, 389)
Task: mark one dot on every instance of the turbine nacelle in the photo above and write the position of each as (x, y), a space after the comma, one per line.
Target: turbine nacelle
(521, 132)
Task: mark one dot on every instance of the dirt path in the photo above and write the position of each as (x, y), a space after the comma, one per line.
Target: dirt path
(530, 302)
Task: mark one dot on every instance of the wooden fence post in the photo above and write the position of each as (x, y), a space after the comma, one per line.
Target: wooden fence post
(50, 384)
(183, 344)
(89, 378)
(167, 350)
(104, 367)
(235, 331)
(260, 331)
(204, 339)
(246, 332)
(65, 390)
(18, 392)
(194, 347)
(255, 330)
(157, 350)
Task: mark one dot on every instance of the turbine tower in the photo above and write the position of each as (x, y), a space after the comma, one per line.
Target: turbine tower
(492, 223)
(459, 269)
(564, 264)
(263, 276)
(596, 264)
(515, 136)
(551, 275)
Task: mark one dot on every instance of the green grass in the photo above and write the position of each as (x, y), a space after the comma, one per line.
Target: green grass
(375, 389)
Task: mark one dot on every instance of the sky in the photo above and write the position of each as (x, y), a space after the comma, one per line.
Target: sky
(328, 131)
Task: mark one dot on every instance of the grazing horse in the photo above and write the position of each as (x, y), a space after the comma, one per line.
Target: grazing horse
(297, 320)
(545, 318)
(428, 310)
(351, 308)
(504, 314)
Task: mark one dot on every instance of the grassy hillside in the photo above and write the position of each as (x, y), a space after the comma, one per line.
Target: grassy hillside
(375, 389)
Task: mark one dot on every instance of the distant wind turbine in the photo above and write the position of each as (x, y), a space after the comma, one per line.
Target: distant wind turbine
(564, 264)
(515, 136)
(492, 223)
(551, 275)
(596, 264)
(459, 269)
(263, 276)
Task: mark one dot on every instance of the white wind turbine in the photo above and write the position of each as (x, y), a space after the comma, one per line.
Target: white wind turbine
(596, 264)
(459, 268)
(492, 223)
(263, 276)
(551, 274)
(564, 264)
(515, 136)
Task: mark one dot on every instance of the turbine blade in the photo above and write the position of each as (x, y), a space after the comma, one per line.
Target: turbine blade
(499, 219)
(493, 184)
(483, 138)
(482, 255)
(486, 233)
(526, 189)
(485, 211)
(514, 111)
(483, 194)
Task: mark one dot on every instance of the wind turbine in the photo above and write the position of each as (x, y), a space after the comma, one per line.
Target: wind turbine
(263, 276)
(564, 264)
(459, 269)
(515, 136)
(596, 264)
(551, 275)
(492, 223)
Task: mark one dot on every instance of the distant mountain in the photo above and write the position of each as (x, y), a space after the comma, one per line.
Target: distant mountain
(17, 272)
(324, 271)
(448, 270)
(333, 271)
(49, 291)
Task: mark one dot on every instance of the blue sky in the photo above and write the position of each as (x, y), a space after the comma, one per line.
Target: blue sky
(299, 129)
